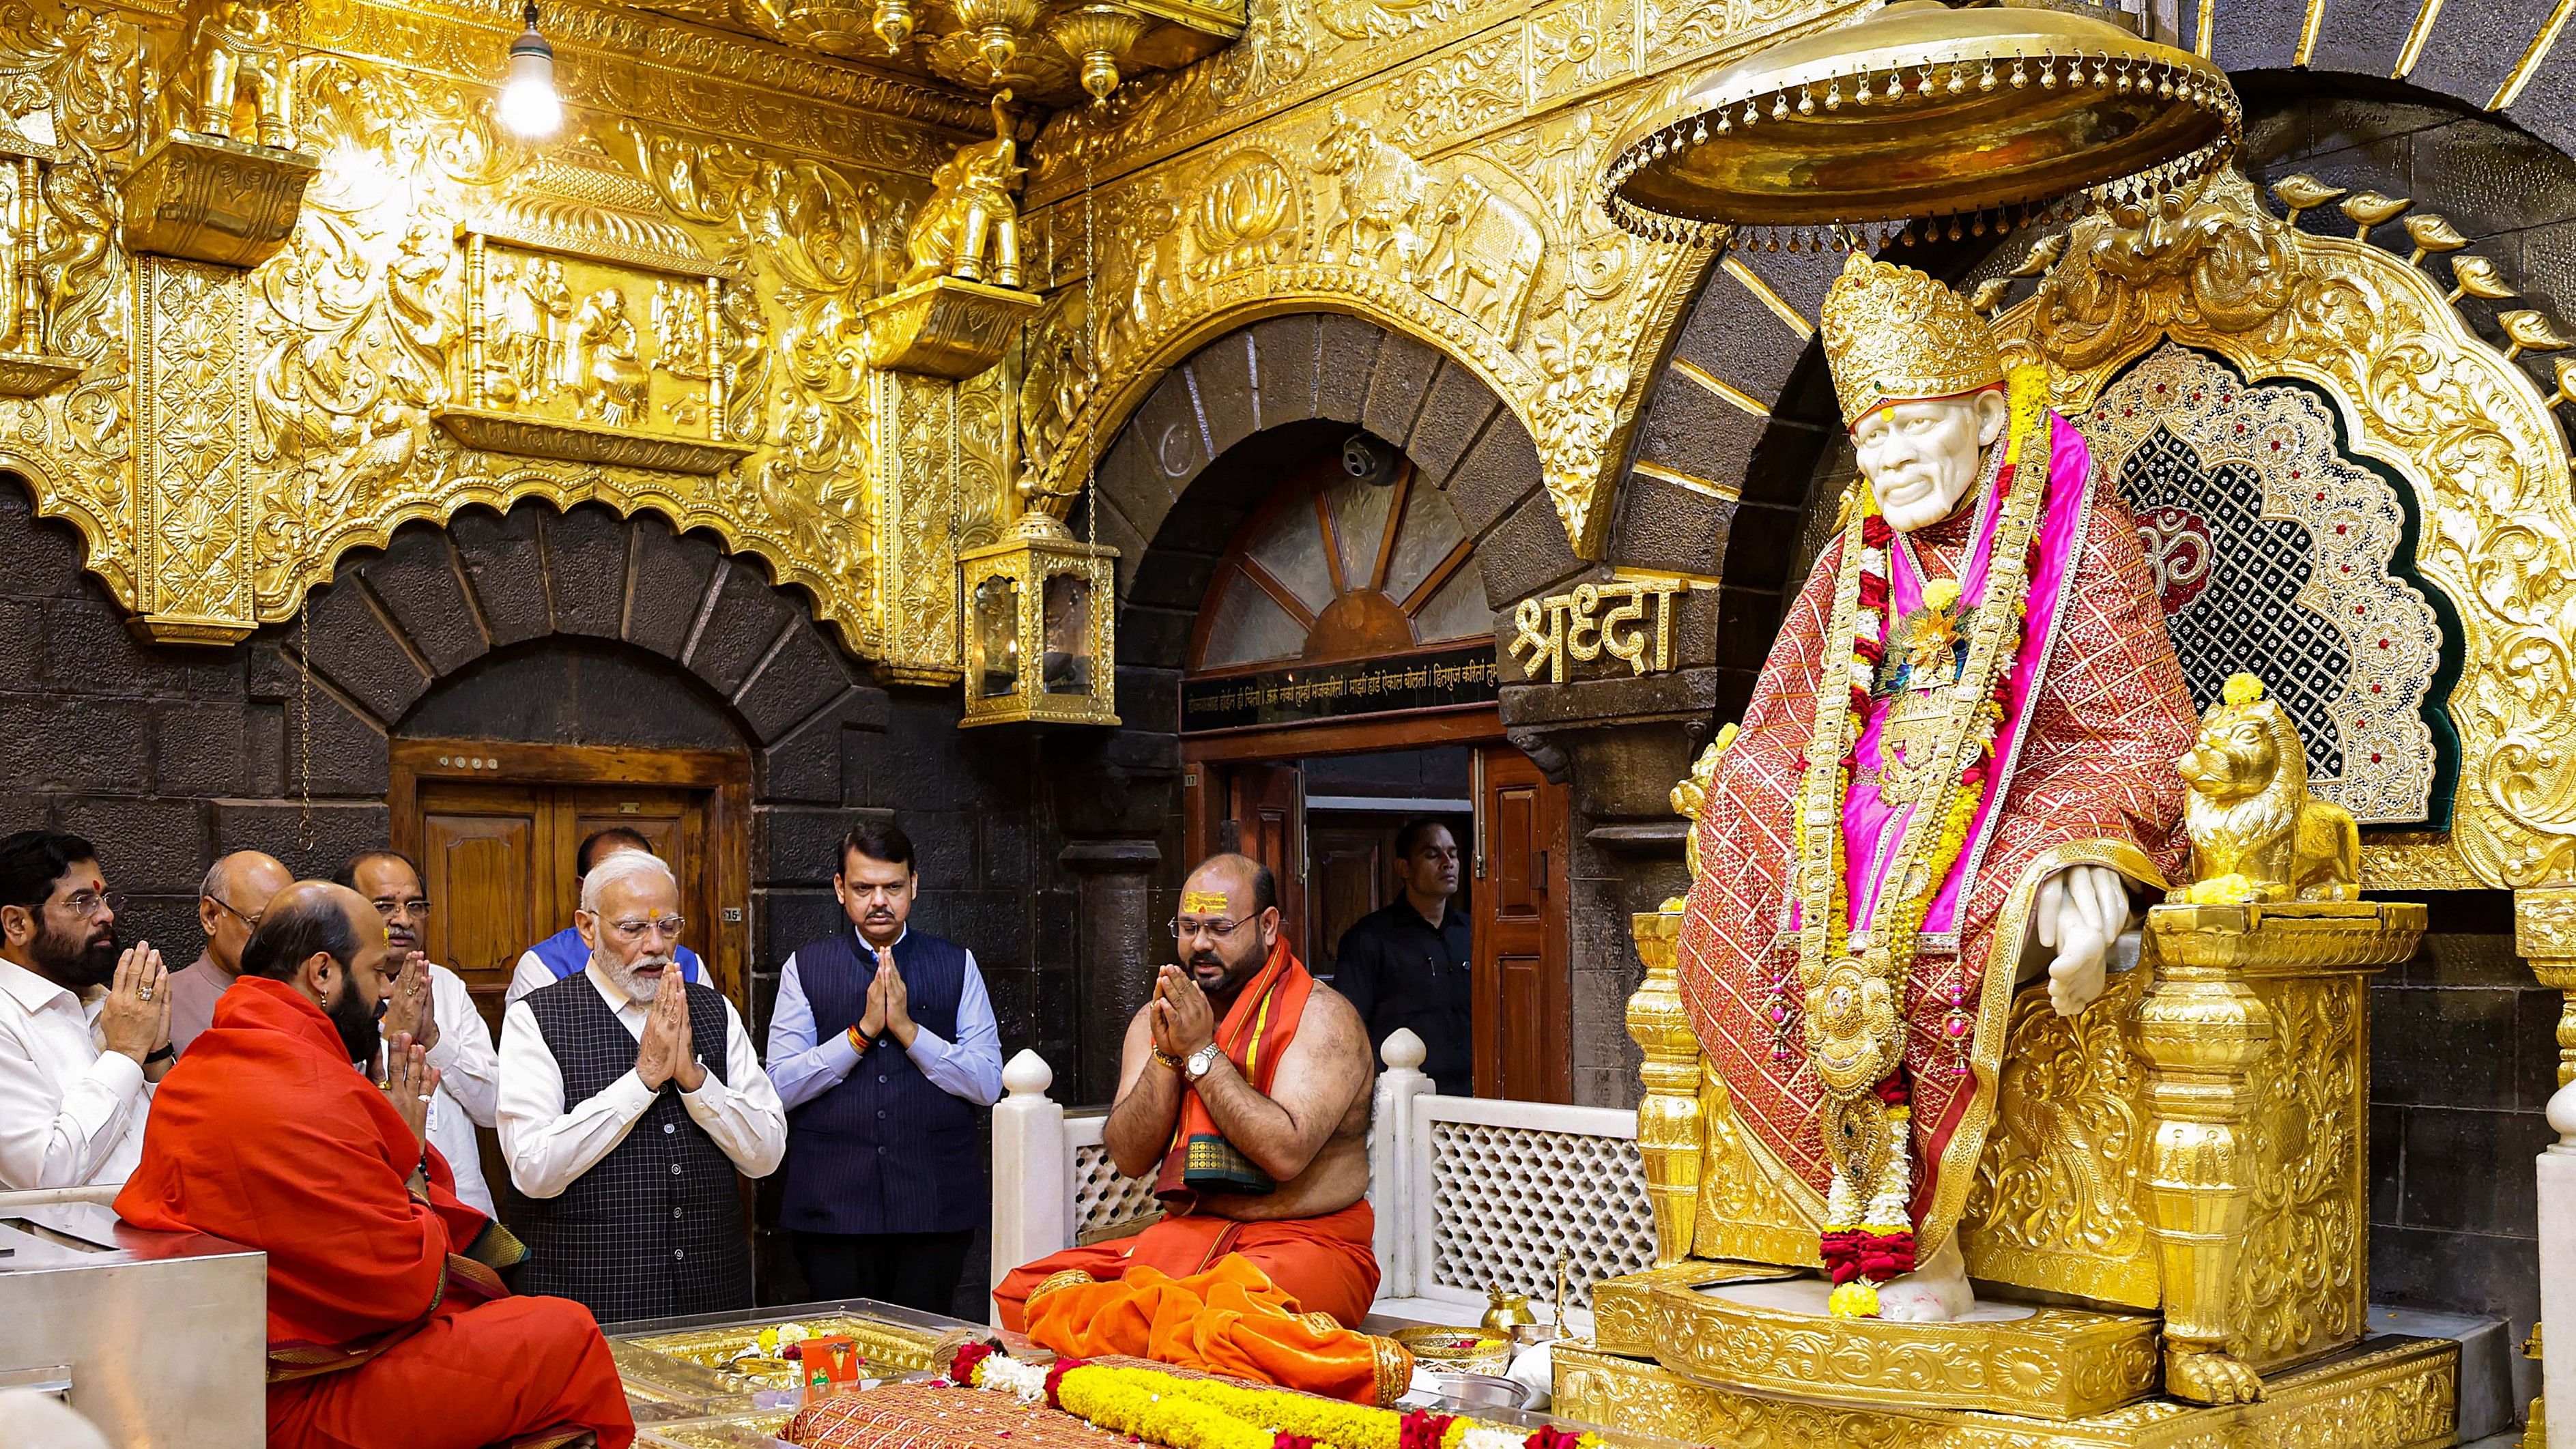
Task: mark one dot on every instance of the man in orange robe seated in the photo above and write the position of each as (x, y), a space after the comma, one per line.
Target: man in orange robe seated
(381, 1332)
(1244, 1086)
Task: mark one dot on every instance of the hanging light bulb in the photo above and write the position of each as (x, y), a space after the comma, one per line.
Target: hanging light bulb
(529, 105)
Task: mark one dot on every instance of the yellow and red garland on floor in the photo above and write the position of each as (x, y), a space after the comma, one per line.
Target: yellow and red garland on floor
(1177, 1412)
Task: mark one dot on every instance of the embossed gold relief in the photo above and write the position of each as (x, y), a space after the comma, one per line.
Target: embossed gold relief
(2403, 1396)
(1427, 164)
(2467, 430)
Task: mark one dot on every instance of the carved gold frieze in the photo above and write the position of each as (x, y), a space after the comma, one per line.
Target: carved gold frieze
(2397, 1393)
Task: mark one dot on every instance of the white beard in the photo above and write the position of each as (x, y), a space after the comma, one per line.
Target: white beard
(636, 986)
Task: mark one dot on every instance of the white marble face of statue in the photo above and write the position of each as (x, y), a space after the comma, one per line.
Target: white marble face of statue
(1921, 457)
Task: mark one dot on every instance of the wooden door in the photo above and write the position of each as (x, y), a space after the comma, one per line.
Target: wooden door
(1523, 989)
(1353, 861)
(496, 828)
(1266, 820)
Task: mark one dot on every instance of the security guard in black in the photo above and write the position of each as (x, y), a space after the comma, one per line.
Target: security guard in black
(1410, 963)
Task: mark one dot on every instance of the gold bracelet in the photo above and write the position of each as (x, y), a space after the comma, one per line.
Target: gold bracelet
(1169, 1060)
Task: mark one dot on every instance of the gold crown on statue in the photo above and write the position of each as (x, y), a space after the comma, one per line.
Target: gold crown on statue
(1893, 334)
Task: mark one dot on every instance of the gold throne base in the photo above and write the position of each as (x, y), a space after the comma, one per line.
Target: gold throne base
(2386, 1393)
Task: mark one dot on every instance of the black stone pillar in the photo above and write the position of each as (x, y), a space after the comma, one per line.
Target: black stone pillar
(1116, 951)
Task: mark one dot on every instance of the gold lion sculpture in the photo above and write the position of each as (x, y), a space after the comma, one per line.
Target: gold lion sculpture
(2256, 832)
(970, 219)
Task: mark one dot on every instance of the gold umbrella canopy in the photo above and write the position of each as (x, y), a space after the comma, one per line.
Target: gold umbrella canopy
(1922, 113)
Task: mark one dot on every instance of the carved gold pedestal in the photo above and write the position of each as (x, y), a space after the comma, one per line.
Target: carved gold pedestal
(945, 327)
(2388, 1393)
(208, 199)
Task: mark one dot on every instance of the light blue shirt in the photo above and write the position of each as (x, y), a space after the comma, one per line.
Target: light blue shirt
(802, 1068)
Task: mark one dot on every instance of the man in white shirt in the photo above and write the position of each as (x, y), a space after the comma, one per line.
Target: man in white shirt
(629, 1099)
(73, 1077)
(435, 1006)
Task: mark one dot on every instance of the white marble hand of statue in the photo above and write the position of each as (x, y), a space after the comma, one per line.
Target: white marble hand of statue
(2080, 911)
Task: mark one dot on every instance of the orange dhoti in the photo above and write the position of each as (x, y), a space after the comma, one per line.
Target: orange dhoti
(1269, 1301)
(1326, 1264)
(472, 1376)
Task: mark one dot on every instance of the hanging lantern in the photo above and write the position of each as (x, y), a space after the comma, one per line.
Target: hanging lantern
(1040, 628)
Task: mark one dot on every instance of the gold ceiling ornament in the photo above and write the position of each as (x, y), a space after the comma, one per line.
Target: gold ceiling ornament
(1038, 48)
(1099, 36)
(1922, 118)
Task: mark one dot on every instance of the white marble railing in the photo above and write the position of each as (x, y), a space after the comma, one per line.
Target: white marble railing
(2557, 1174)
(1470, 1192)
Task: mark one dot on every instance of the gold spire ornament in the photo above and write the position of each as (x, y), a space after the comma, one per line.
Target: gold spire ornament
(1922, 118)
(1893, 334)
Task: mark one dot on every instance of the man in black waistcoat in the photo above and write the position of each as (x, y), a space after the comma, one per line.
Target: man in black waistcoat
(884, 1048)
(1411, 963)
(629, 1098)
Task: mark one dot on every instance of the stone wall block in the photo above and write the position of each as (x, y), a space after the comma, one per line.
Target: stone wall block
(1116, 531)
(1691, 431)
(1684, 693)
(1499, 471)
(43, 560)
(505, 561)
(1227, 397)
(1130, 482)
(1149, 699)
(1525, 553)
(1396, 386)
(2487, 179)
(1283, 352)
(588, 549)
(793, 845)
(1666, 526)
(89, 650)
(804, 673)
(1736, 338)
(747, 619)
(1797, 278)
(1763, 548)
(1347, 356)
(416, 581)
(49, 743)
(353, 649)
(783, 920)
(1172, 446)
(1455, 408)
(2465, 58)
(197, 748)
(145, 846)
(22, 626)
(805, 766)
(1153, 636)
(670, 586)
(341, 829)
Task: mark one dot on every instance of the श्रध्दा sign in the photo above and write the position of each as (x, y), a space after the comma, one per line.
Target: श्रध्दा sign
(1576, 625)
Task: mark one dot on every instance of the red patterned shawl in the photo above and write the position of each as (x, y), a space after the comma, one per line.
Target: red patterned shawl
(2094, 782)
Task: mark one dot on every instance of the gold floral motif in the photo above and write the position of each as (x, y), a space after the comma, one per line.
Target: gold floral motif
(2466, 430)
(191, 515)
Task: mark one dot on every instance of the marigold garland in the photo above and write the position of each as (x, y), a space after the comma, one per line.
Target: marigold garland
(1204, 1413)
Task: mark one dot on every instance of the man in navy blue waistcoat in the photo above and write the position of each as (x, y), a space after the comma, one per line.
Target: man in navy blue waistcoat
(565, 954)
(884, 1048)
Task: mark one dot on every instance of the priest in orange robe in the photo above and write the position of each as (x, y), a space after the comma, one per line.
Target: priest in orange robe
(387, 1323)
(1244, 1089)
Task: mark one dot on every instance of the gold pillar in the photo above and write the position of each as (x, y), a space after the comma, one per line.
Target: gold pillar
(2544, 934)
(192, 465)
(1668, 1118)
(2200, 1029)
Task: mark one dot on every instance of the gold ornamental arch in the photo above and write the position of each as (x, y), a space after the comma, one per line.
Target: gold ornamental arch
(2419, 392)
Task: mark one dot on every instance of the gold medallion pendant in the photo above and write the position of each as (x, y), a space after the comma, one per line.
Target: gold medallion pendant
(1851, 1024)
(1919, 679)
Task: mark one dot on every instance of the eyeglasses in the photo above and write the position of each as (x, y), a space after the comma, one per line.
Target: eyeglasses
(89, 903)
(669, 927)
(417, 909)
(249, 923)
(1219, 928)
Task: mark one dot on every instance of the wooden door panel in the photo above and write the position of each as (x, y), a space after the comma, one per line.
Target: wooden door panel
(1268, 823)
(1351, 879)
(1523, 990)
(483, 852)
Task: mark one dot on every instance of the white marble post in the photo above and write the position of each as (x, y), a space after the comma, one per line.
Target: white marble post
(1390, 1140)
(2557, 1173)
(1032, 1180)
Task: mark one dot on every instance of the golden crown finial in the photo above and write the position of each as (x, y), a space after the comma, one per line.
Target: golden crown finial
(1893, 334)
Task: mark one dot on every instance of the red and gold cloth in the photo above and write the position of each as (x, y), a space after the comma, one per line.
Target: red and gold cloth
(1254, 1036)
(382, 1335)
(2085, 775)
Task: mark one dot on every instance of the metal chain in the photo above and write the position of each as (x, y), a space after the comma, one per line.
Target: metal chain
(306, 837)
(1091, 358)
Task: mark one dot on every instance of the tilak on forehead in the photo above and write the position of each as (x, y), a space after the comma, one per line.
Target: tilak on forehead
(1204, 900)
